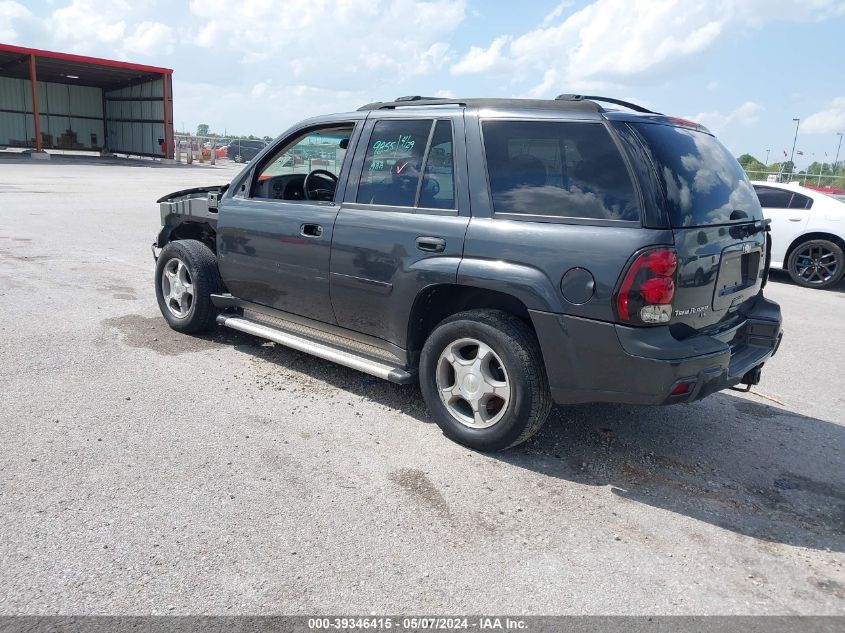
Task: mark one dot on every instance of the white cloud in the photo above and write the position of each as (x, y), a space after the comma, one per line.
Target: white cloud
(434, 58)
(9, 13)
(827, 121)
(206, 36)
(555, 13)
(746, 114)
(259, 89)
(484, 60)
(267, 108)
(623, 43)
(322, 42)
(149, 38)
(83, 25)
(115, 28)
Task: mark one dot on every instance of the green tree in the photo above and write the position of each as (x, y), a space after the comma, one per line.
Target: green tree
(202, 129)
(745, 159)
(787, 168)
(755, 169)
(829, 178)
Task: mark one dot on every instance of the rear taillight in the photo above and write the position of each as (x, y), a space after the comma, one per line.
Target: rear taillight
(645, 295)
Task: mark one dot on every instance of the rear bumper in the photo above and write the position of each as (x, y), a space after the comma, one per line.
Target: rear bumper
(594, 361)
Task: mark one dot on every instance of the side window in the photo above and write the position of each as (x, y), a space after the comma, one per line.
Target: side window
(318, 154)
(772, 198)
(800, 202)
(393, 163)
(557, 169)
(438, 185)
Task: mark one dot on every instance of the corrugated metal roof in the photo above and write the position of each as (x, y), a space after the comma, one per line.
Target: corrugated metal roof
(60, 67)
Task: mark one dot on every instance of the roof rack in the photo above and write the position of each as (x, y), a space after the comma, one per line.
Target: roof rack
(626, 104)
(414, 100)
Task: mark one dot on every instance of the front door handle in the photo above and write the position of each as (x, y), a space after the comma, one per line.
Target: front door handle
(311, 230)
(795, 219)
(431, 244)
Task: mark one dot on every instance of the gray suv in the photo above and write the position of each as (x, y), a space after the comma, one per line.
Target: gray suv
(505, 253)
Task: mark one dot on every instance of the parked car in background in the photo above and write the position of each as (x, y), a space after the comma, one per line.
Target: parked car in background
(244, 150)
(807, 231)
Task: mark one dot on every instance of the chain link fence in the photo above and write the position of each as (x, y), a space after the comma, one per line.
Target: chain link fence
(824, 181)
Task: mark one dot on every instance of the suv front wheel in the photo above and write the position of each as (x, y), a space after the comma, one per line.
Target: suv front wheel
(186, 277)
(483, 379)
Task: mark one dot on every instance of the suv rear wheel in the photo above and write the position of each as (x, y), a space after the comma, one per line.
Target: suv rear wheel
(816, 264)
(483, 379)
(186, 277)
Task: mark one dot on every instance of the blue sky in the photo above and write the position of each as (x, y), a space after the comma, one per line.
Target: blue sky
(744, 68)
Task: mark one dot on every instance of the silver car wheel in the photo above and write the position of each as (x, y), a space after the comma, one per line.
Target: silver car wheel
(177, 288)
(472, 383)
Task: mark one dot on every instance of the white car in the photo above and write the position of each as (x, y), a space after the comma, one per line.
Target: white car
(808, 232)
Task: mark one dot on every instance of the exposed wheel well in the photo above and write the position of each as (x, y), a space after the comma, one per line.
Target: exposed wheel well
(812, 236)
(438, 302)
(199, 231)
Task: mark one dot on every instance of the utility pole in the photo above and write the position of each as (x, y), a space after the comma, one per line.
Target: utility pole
(838, 147)
(794, 141)
(767, 157)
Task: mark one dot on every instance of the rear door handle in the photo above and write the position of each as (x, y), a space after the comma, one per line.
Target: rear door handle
(795, 219)
(431, 244)
(311, 230)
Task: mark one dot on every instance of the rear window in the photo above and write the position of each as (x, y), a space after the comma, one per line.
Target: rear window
(771, 198)
(557, 169)
(704, 183)
(800, 202)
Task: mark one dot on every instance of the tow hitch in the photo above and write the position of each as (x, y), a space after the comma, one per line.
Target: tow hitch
(751, 378)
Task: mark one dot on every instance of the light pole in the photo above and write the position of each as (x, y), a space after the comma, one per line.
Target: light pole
(767, 157)
(794, 141)
(838, 147)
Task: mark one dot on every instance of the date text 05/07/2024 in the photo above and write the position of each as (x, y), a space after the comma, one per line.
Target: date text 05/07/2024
(417, 623)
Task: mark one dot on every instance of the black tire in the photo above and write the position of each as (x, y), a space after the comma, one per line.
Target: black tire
(517, 347)
(201, 265)
(806, 275)
(239, 158)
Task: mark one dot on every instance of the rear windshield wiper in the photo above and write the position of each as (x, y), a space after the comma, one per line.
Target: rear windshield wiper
(752, 228)
(758, 227)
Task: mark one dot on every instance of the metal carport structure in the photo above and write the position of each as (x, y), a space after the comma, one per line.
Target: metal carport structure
(51, 100)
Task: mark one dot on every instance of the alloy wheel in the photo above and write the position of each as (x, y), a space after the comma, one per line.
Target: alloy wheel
(473, 383)
(177, 288)
(815, 264)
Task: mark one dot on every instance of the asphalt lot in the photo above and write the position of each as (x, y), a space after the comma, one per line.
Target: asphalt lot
(143, 471)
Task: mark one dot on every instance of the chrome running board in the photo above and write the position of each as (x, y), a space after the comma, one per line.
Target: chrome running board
(349, 358)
